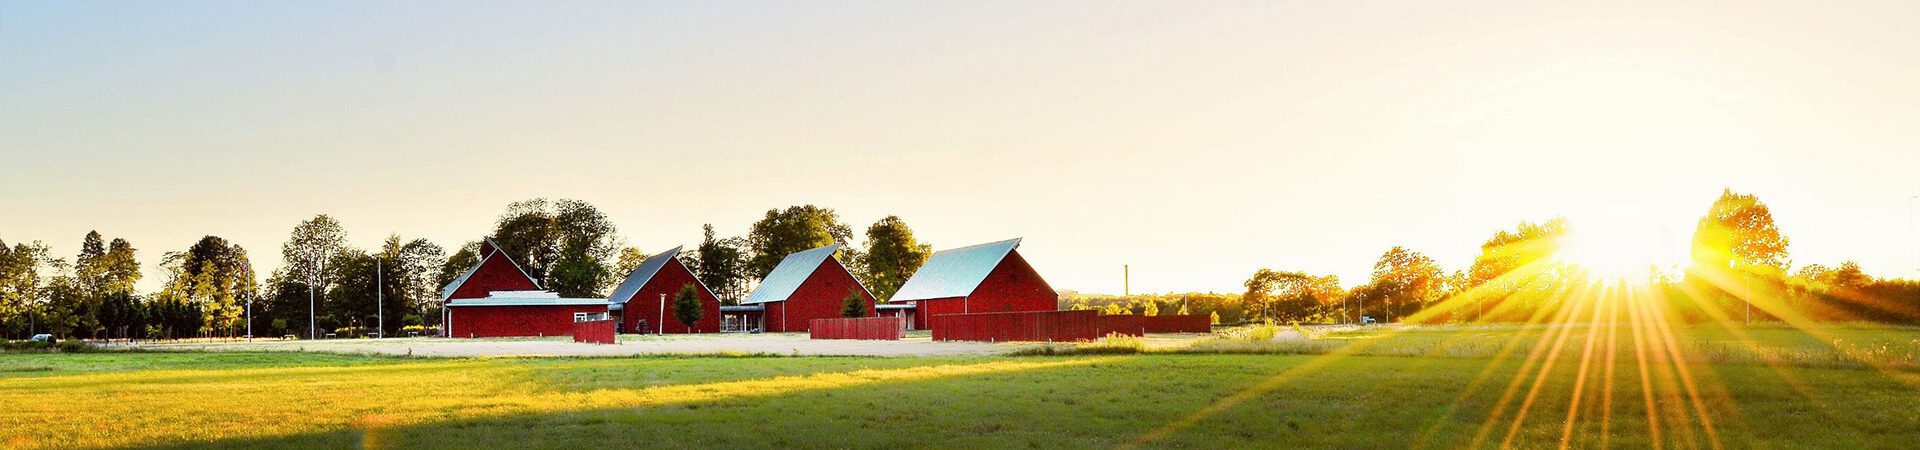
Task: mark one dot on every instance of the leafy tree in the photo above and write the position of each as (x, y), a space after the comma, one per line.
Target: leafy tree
(794, 229)
(854, 305)
(686, 305)
(629, 261)
(1151, 308)
(1405, 280)
(416, 264)
(119, 269)
(1738, 234)
(20, 285)
(122, 315)
(722, 265)
(218, 278)
(1291, 296)
(458, 263)
(1515, 271)
(567, 246)
(892, 256)
(364, 288)
(309, 255)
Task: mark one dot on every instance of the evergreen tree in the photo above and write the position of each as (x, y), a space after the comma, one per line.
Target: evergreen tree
(854, 305)
(686, 305)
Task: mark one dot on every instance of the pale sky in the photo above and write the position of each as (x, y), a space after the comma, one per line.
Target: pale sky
(1194, 141)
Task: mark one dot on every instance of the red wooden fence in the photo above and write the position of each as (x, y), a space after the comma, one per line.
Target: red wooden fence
(1136, 325)
(1017, 326)
(871, 328)
(593, 331)
(1082, 325)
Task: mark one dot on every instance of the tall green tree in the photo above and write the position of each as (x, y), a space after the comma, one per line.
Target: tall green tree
(309, 255)
(794, 229)
(628, 261)
(567, 246)
(1738, 234)
(21, 270)
(721, 264)
(1404, 281)
(457, 263)
(119, 269)
(686, 305)
(415, 267)
(892, 256)
(1292, 296)
(1515, 274)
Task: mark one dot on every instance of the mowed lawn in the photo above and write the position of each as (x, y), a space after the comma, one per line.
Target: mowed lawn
(1158, 400)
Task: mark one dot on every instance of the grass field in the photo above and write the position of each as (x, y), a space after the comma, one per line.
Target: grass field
(1470, 386)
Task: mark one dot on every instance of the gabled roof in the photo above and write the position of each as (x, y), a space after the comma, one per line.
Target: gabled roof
(525, 298)
(488, 249)
(954, 272)
(792, 271)
(641, 275)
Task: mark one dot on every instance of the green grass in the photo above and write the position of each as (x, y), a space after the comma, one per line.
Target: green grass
(1324, 399)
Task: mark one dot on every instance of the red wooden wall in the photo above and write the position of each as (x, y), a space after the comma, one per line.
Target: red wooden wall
(507, 321)
(819, 297)
(1017, 326)
(495, 274)
(594, 331)
(1011, 286)
(878, 328)
(645, 303)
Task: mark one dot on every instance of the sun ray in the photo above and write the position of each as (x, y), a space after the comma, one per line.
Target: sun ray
(1580, 380)
(1546, 367)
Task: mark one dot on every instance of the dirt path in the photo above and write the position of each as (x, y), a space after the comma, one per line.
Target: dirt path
(775, 343)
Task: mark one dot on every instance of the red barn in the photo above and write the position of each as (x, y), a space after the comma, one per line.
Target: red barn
(807, 285)
(495, 272)
(990, 277)
(638, 299)
(521, 313)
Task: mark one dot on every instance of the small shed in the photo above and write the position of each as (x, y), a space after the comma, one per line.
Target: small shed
(521, 313)
(990, 277)
(644, 301)
(807, 285)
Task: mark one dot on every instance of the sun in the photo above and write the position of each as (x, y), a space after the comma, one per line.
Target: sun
(1619, 252)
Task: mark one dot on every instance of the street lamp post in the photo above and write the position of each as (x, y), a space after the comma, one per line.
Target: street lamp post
(379, 297)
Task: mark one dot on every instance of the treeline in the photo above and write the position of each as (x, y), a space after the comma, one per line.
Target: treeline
(327, 286)
(1739, 272)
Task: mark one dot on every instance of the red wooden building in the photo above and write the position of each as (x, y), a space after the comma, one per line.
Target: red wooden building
(807, 285)
(990, 277)
(495, 272)
(638, 301)
(497, 298)
(521, 313)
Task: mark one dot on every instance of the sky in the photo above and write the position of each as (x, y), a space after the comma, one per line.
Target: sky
(1193, 142)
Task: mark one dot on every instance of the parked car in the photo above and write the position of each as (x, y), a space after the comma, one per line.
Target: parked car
(48, 338)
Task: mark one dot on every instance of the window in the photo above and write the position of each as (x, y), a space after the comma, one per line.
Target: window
(589, 317)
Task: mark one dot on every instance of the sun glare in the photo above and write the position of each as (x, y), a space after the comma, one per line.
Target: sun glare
(1617, 251)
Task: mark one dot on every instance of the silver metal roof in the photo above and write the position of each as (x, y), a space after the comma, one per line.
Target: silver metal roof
(786, 277)
(641, 275)
(447, 291)
(526, 301)
(954, 272)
